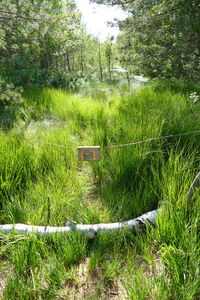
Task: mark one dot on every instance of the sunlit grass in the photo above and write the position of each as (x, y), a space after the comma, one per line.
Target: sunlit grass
(45, 185)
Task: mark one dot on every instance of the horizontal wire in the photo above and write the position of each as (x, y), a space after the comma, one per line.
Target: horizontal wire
(108, 147)
(153, 139)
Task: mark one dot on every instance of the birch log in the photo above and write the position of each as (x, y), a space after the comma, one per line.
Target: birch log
(89, 230)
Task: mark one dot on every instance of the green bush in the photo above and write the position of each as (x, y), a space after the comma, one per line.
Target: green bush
(11, 102)
(63, 80)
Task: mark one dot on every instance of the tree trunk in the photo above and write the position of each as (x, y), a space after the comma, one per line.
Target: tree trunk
(82, 66)
(100, 63)
(68, 61)
(89, 230)
(109, 70)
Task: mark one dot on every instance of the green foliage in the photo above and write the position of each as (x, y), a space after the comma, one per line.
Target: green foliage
(45, 44)
(45, 185)
(63, 80)
(11, 103)
(161, 39)
(37, 36)
(10, 97)
(28, 255)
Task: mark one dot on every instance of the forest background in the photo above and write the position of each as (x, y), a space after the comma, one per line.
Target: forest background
(45, 43)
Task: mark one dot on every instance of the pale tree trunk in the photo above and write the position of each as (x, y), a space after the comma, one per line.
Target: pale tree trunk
(89, 230)
(82, 61)
(100, 63)
(109, 70)
(68, 61)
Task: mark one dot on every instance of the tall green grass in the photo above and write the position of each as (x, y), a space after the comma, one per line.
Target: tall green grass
(44, 185)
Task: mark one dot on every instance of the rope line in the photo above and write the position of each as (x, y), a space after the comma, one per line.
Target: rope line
(108, 147)
(153, 139)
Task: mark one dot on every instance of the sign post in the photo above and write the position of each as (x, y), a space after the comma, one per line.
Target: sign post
(89, 153)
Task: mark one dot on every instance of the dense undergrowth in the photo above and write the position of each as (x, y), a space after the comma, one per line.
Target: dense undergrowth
(42, 184)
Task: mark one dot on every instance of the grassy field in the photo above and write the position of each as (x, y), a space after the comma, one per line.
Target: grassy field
(45, 185)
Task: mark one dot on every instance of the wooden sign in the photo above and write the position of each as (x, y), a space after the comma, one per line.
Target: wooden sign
(89, 153)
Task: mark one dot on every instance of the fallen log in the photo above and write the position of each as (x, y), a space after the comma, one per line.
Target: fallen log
(89, 230)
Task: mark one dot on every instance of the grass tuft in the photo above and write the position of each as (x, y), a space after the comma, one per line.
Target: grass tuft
(44, 185)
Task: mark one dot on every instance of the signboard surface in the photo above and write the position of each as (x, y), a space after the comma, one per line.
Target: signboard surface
(89, 153)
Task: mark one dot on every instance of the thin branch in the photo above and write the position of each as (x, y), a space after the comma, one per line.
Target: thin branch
(7, 12)
(113, 2)
(17, 16)
(123, 2)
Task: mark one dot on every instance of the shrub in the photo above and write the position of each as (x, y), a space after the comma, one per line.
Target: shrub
(63, 80)
(11, 102)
